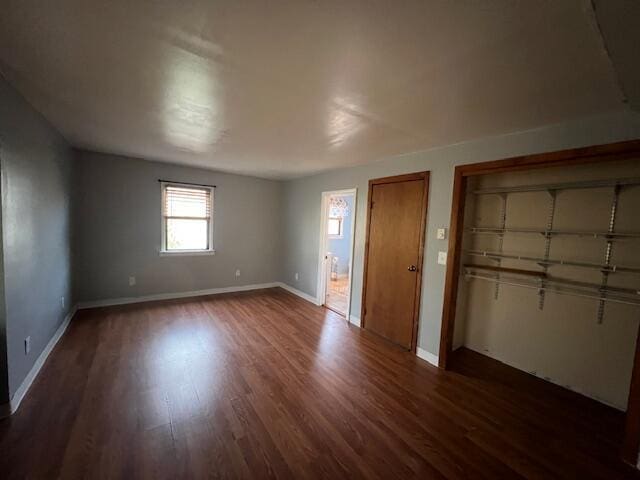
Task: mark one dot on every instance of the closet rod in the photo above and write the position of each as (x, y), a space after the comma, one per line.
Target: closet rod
(555, 287)
(556, 290)
(517, 271)
(565, 282)
(550, 262)
(559, 186)
(502, 231)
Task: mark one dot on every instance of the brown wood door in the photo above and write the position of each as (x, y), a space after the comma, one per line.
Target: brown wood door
(393, 256)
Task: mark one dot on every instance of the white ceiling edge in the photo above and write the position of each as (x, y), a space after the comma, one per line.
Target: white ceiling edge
(592, 130)
(615, 126)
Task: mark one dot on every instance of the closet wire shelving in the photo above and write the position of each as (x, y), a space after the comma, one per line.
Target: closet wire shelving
(539, 279)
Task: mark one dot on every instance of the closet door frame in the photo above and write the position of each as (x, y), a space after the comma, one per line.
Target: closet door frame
(576, 156)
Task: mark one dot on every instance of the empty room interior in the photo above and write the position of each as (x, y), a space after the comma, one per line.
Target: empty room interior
(320, 239)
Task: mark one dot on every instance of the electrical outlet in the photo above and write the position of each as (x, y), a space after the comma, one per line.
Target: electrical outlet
(238, 273)
(442, 258)
(62, 302)
(132, 281)
(27, 345)
(297, 276)
(441, 234)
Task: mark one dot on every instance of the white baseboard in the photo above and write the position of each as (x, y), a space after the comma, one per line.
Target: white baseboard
(427, 356)
(299, 293)
(12, 406)
(8, 409)
(355, 320)
(171, 296)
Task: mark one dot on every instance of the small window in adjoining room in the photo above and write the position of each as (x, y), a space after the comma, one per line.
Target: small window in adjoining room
(187, 219)
(334, 227)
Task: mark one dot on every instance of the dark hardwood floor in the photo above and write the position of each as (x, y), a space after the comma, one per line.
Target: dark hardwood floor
(263, 384)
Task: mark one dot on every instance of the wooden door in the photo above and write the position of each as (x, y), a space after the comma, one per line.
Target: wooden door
(397, 212)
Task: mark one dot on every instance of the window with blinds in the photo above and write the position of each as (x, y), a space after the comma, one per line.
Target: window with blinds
(187, 218)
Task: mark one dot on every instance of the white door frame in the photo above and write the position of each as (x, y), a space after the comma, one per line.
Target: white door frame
(322, 273)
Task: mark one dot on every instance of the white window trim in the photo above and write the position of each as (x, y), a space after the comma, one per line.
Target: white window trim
(341, 234)
(185, 253)
(163, 227)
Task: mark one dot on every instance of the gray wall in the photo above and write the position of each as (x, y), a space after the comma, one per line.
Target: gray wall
(36, 181)
(118, 221)
(302, 201)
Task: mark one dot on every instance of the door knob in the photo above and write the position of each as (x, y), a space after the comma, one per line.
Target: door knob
(412, 268)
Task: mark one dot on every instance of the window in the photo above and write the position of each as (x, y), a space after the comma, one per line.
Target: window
(334, 227)
(187, 221)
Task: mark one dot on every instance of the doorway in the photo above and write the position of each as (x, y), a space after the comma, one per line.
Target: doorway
(336, 250)
(396, 213)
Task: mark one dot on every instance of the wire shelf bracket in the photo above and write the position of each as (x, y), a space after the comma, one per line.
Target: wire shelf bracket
(547, 245)
(609, 249)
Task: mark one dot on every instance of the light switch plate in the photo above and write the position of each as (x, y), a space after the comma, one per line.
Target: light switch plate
(132, 281)
(441, 234)
(442, 258)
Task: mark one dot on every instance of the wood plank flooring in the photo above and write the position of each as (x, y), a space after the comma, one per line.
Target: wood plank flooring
(265, 385)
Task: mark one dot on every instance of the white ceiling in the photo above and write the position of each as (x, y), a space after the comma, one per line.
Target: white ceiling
(286, 88)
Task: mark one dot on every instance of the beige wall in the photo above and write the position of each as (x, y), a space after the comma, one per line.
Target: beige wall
(563, 343)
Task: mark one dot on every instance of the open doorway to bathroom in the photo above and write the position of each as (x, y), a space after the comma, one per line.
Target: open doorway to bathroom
(336, 250)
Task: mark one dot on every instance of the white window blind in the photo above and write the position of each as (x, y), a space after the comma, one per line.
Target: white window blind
(187, 218)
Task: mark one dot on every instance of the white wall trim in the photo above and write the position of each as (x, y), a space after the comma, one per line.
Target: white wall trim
(427, 356)
(12, 406)
(171, 296)
(299, 293)
(321, 286)
(163, 231)
(352, 318)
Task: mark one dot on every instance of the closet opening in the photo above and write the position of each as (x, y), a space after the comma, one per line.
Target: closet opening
(542, 292)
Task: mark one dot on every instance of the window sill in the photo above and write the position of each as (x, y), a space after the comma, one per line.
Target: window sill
(186, 253)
